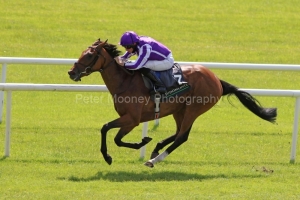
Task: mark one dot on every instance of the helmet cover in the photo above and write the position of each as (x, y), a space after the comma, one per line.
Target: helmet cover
(129, 38)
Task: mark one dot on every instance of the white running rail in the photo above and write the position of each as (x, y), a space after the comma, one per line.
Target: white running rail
(9, 87)
(211, 65)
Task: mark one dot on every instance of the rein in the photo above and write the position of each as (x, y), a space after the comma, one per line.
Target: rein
(131, 73)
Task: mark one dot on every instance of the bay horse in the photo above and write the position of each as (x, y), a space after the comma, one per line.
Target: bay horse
(206, 90)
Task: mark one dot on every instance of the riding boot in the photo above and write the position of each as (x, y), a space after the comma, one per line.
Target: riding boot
(159, 86)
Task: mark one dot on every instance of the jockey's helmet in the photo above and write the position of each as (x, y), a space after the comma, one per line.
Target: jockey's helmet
(129, 38)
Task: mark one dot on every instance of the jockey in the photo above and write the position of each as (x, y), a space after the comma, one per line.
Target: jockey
(152, 56)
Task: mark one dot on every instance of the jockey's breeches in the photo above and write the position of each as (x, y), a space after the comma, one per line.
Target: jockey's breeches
(160, 65)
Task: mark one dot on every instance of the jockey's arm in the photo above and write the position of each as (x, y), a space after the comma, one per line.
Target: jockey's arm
(127, 55)
(144, 54)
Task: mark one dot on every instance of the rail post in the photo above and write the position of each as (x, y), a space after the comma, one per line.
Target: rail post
(144, 134)
(8, 123)
(295, 131)
(3, 79)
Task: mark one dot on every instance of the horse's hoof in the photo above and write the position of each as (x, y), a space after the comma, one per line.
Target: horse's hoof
(153, 155)
(147, 139)
(149, 164)
(108, 159)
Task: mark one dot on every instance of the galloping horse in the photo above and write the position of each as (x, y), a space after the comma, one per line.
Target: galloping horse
(206, 90)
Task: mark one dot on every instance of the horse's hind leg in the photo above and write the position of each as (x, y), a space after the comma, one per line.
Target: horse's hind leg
(180, 139)
(160, 145)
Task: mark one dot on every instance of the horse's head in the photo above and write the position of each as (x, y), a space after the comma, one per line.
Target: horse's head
(94, 58)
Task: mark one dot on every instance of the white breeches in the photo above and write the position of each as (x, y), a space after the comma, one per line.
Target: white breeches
(160, 65)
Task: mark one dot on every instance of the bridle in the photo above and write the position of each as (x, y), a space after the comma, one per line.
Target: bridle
(88, 68)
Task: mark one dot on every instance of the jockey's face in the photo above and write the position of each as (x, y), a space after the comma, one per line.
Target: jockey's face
(130, 48)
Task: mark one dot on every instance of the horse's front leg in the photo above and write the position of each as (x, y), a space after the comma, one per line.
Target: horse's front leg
(124, 131)
(122, 121)
(103, 147)
(126, 125)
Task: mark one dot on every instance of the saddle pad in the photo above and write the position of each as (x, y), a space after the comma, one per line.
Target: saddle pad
(173, 79)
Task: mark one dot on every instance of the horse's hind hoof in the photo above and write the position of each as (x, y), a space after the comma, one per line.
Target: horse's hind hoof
(149, 164)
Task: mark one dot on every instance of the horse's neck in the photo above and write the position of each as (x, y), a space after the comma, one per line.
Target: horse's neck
(115, 79)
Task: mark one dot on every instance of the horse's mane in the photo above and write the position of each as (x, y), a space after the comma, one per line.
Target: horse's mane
(111, 49)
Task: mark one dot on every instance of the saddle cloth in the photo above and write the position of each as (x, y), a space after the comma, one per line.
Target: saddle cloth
(173, 80)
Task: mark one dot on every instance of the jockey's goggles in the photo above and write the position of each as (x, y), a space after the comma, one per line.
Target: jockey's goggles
(128, 46)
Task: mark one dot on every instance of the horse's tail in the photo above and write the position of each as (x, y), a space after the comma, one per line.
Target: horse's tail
(250, 102)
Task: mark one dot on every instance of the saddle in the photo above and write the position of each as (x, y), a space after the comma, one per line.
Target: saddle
(173, 80)
(176, 86)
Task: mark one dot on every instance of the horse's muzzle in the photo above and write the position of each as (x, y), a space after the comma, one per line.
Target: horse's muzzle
(74, 76)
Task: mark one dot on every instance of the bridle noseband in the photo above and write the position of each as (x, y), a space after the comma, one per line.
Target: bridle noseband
(89, 66)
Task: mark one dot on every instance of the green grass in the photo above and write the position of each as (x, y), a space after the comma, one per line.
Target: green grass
(55, 137)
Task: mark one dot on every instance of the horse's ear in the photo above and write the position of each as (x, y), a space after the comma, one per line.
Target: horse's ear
(105, 41)
(99, 40)
(101, 44)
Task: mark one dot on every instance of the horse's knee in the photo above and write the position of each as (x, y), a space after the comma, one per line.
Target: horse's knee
(104, 129)
(118, 141)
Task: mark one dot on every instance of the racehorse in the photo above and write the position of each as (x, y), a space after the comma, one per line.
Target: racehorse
(206, 90)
